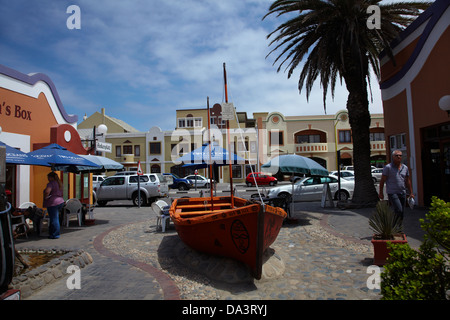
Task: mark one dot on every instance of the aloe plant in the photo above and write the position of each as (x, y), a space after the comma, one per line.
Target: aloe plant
(384, 222)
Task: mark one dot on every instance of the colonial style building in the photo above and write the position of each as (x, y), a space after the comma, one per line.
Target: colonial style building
(319, 137)
(256, 140)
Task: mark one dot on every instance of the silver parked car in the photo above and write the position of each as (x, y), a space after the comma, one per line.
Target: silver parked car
(125, 187)
(346, 174)
(376, 174)
(198, 180)
(311, 189)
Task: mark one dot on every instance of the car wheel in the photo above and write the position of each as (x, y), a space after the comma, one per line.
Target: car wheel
(344, 195)
(102, 203)
(207, 185)
(249, 184)
(182, 187)
(285, 195)
(136, 199)
(271, 183)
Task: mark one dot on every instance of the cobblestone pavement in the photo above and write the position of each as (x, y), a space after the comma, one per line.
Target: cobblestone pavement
(325, 256)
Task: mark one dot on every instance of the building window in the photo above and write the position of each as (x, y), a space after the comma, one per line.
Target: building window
(249, 169)
(397, 141)
(155, 147)
(127, 149)
(236, 171)
(345, 136)
(190, 122)
(155, 168)
(118, 151)
(137, 150)
(377, 134)
(276, 138)
(308, 138)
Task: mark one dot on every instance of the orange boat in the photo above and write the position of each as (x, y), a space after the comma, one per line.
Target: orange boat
(242, 232)
(227, 226)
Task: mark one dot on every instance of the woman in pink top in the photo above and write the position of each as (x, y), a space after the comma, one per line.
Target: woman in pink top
(54, 202)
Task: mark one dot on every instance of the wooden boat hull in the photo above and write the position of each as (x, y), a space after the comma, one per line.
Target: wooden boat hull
(242, 233)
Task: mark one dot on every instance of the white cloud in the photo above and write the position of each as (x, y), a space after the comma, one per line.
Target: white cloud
(155, 57)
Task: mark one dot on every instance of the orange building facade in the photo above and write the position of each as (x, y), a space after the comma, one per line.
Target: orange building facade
(411, 90)
(31, 117)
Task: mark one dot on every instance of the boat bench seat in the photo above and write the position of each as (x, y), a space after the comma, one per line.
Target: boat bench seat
(200, 206)
(191, 214)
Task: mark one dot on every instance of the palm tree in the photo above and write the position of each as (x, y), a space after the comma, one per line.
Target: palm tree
(334, 39)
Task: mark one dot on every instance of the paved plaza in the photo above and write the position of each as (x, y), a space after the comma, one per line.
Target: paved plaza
(325, 256)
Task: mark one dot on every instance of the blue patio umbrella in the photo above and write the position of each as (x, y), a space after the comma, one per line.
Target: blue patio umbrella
(56, 155)
(296, 164)
(15, 156)
(103, 164)
(201, 158)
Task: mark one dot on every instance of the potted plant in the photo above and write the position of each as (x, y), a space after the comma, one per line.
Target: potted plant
(387, 227)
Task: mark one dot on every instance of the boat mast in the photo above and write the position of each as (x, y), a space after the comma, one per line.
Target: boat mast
(210, 162)
(228, 138)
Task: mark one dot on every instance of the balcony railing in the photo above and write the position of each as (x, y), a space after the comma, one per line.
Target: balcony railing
(378, 145)
(311, 147)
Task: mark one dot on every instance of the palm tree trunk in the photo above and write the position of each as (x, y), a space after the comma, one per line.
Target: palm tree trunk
(359, 117)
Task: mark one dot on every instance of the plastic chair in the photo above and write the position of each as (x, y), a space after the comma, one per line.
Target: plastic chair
(22, 218)
(72, 207)
(161, 209)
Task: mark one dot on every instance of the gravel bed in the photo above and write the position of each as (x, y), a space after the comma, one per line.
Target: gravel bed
(143, 243)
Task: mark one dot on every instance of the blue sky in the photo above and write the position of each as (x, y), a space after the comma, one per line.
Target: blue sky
(144, 59)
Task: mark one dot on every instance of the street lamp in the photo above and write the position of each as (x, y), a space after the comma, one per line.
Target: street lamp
(444, 104)
(102, 129)
(99, 131)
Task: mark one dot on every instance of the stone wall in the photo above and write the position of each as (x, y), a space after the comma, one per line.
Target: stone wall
(35, 279)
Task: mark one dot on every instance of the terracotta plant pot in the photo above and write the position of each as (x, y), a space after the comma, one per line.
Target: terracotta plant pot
(381, 250)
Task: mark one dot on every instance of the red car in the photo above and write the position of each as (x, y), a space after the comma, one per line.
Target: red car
(261, 179)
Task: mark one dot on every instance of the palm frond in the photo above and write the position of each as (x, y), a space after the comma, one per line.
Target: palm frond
(325, 35)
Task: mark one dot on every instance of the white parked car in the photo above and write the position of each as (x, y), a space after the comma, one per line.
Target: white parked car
(311, 189)
(376, 174)
(200, 180)
(346, 174)
(97, 180)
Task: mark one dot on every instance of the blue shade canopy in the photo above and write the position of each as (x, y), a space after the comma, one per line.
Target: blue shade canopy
(201, 158)
(103, 164)
(56, 155)
(294, 163)
(15, 156)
